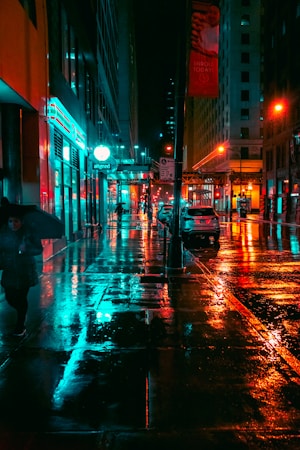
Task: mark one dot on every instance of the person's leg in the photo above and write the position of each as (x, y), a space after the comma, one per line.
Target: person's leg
(17, 298)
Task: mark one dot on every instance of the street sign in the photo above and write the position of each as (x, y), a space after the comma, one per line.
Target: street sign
(102, 166)
(167, 169)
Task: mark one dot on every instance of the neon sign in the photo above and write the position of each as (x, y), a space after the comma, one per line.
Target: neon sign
(59, 116)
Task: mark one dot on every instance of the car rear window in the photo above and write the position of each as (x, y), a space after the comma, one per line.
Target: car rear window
(201, 212)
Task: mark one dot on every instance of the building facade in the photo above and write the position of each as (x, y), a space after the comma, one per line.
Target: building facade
(60, 97)
(224, 134)
(281, 148)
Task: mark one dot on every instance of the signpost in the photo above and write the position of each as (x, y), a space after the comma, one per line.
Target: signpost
(103, 166)
(166, 169)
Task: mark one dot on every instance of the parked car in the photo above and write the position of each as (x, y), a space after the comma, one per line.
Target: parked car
(199, 223)
(165, 213)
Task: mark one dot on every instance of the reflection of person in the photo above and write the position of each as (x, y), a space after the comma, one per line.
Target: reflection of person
(18, 246)
(205, 31)
(119, 210)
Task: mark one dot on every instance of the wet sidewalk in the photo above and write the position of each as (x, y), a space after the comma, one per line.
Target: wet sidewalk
(120, 354)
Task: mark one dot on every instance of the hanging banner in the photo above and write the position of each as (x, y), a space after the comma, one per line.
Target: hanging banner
(204, 50)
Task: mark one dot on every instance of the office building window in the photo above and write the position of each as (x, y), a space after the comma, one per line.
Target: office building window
(244, 114)
(244, 152)
(245, 38)
(245, 77)
(245, 57)
(283, 28)
(69, 56)
(245, 95)
(269, 160)
(245, 133)
(245, 20)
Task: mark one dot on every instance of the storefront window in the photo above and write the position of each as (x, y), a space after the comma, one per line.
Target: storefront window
(58, 189)
(75, 198)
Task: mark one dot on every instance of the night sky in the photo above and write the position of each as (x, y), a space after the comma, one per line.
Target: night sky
(156, 41)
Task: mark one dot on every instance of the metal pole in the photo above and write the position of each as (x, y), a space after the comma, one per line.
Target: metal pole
(175, 254)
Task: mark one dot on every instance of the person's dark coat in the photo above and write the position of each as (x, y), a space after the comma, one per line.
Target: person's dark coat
(19, 268)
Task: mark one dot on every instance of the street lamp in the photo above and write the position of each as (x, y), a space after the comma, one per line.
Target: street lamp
(101, 153)
(103, 162)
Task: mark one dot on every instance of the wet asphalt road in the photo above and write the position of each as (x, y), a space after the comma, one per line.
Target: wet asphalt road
(260, 264)
(118, 356)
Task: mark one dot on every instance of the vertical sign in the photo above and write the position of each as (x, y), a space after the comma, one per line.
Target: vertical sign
(166, 169)
(204, 50)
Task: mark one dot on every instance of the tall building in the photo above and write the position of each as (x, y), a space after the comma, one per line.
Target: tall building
(61, 96)
(83, 106)
(168, 126)
(128, 83)
(281, 149)
(223, 136)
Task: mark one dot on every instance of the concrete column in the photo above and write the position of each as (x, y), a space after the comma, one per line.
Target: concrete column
(12, 151)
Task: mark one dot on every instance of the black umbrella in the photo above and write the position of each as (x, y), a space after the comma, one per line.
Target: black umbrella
(45, 225)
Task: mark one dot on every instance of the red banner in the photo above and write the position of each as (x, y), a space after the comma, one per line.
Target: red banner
(204, 50)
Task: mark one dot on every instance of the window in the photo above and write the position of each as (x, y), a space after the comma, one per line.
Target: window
(283, 28)
(245, 77)
(245, 95)
(64, 45)
(244, 133)
(244, 152)
(245, 114)
(245, 20)
(69, 56)
(269, 160)
(245, 57)
(90, 97)
(73, 63)
(280, 156)
(245, 38)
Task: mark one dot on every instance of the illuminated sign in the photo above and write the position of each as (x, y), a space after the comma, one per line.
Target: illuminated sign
(59, 116)
(101, 153)
(102, 166)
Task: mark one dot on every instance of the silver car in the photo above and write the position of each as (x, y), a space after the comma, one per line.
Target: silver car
(199, 223)
(165, 213)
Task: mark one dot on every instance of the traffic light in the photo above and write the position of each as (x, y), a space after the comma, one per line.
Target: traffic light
(217, 194)
(168, 149)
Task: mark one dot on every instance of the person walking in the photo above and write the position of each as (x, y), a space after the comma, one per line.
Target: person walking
(18, 246)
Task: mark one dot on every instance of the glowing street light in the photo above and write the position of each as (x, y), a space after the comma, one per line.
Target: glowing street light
(278, 107)
(101, 153)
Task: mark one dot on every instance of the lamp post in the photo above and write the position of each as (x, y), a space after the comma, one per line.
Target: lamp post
(102, 163)
(175, 254)
(276, 124)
